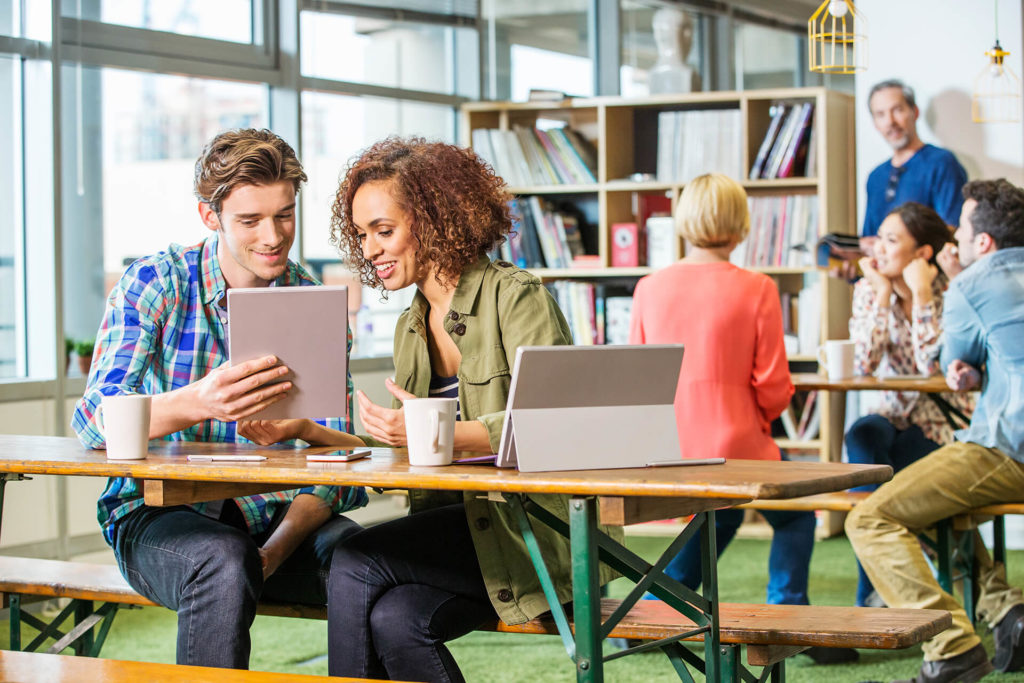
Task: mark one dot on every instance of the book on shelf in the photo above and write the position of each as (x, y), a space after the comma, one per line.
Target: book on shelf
(546, 95)
(596, 313)
(787, 149)
(545, 236)
(698, 141)
(809, 318)
(617, 311)
(527, 157)
(661, 235)
(810, 418)
(794, 157)
(783, 232)
(777, 111)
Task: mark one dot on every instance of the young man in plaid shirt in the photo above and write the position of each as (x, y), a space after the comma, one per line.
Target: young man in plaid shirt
(164, 334)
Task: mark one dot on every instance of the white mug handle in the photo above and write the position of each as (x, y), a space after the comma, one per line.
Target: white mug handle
(435, 429)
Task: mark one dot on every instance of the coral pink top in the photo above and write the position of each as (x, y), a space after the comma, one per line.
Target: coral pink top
(735, 378)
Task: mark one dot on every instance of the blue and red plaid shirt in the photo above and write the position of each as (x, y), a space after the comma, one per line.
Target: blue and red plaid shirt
(164, 328)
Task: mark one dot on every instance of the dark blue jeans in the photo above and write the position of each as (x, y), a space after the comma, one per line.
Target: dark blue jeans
(789, 559)
(209, 572)
(873, 440)
(398, 591)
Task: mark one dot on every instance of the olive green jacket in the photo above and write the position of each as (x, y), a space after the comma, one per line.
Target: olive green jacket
(496, 309)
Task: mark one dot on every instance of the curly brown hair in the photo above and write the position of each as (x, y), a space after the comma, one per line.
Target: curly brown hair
(244, 157)
(457, 205)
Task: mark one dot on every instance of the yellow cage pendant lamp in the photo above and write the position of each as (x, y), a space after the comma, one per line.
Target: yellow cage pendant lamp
(997, 93)
(837, 40)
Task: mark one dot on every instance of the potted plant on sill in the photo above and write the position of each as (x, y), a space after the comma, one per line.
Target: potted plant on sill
(84, 348)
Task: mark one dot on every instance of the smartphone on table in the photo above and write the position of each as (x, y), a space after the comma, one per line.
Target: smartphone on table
(340, 455)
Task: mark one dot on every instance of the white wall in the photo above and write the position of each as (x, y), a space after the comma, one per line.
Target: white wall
(937, 47)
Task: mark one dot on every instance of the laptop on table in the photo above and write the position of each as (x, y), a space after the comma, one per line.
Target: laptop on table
(591, 407)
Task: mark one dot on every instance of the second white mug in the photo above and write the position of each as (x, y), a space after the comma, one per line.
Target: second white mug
(837, 356)
(430, 430)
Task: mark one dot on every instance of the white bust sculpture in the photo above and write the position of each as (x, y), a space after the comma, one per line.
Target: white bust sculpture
(673, 36)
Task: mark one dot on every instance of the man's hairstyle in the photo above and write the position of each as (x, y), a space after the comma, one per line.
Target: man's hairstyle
(999, 212)
(244, 157)
(925, 226)
(712, 211)
(908, 92)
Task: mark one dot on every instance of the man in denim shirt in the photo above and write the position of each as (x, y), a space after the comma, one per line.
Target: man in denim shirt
(983, 328)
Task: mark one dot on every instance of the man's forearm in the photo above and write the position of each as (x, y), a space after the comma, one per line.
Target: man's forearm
(171, 412)
(305, 514)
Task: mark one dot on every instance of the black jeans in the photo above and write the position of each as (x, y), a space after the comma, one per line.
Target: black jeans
(209, 572)
(398, 591)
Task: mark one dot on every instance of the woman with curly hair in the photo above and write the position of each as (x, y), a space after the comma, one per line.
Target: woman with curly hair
(425, 214)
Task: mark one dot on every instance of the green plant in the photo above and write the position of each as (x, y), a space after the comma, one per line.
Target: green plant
(84, 347)
(69, 345)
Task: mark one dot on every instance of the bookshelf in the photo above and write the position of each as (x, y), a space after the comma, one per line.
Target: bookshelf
(625, 135)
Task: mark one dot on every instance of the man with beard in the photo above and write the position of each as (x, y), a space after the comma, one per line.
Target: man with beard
(917, 171)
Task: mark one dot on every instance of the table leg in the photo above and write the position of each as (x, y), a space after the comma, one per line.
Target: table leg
(709, 586)
(586, 596)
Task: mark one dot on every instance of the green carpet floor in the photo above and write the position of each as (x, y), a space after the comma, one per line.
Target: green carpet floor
(299, 646)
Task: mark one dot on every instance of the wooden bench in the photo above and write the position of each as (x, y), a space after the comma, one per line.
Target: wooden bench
(770, 632)
(955, 557)
(33, 667)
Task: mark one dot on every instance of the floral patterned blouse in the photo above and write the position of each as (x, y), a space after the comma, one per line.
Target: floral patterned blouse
(889, 344)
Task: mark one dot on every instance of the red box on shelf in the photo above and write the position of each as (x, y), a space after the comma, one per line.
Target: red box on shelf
(625, 245)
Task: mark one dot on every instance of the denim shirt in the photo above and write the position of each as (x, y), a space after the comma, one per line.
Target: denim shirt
(984, 326)
(496, 308)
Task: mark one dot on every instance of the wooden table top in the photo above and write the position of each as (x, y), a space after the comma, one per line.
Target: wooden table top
(936, 384)
(389, 468)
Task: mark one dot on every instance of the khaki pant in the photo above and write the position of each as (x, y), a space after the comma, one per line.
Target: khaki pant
(883, 529)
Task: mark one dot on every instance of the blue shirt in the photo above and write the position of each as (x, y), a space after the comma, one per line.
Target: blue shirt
(932, 177)
(984, 326)
(163, 329)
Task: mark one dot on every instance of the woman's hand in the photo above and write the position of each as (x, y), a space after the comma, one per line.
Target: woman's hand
(384, 424)
(267, 432)
(919, 276)
(880, 283)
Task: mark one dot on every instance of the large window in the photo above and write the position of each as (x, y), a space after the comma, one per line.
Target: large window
(543, 45)
(11, 324)
(221, 19)
(397, 54)
(131, 141)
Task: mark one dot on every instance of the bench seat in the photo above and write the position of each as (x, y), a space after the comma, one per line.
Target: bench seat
(33, 667)
(784, 625)
(792, 625)
(844, 501)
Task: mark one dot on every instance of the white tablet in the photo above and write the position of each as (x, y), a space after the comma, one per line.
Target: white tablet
(306, 328)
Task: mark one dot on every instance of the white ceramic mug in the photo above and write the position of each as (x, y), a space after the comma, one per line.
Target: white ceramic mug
(124, 420)
(430, 430)
(837, 357)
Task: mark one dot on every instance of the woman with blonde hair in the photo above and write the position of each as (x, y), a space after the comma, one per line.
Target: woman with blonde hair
(735, 377)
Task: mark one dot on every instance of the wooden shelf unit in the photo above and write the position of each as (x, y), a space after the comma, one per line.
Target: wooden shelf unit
(624, 132)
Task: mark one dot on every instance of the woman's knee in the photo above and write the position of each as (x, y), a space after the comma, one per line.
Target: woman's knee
(868, 436)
